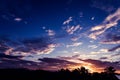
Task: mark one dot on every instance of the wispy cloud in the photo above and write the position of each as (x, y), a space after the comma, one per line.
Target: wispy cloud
(72, 29)
(75, 44)
(102, 5)
(100, 51)
(75, 38)
(110, 21)
(50, 32)
(92, 46)
(92, 18)
(103, 58)
(67, 21)
(18, 19)
(100, 65)
(114, 48)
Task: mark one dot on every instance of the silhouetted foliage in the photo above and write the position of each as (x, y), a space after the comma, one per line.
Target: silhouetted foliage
(110, 70)
(63, 74)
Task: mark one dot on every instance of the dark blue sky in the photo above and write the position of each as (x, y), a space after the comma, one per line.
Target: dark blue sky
(74, 31)
(36, 14)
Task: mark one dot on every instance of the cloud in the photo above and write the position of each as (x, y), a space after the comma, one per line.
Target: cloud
(4, 48)
(72, 29)
(55, 63)
(67, 21)
(69, 58)
(103, 58)
(95, 52)
(4, 45)
(110, 21)
(92, 18)
(2, 55)
(50, 32)
(103, 6)
(111, 39)
(27, 46)
(15, 62)
(116, 55)
(53, 60)
(18, 19)
(75, 44)
(92, 46)
(110, 42)
(100, 51)
(75, 38)
(36, 46)
(92, 64)
(100, 65)
(75, 62)
(114, 48)
(103, 50)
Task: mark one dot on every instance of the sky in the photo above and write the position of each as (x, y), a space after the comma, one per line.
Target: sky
(55, 34)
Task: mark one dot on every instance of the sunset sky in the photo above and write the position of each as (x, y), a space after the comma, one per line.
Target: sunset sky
(55, 34)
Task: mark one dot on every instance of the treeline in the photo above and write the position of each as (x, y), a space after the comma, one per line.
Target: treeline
(63, 74)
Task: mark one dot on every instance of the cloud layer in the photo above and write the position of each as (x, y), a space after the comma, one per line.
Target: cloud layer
(26, 46)
(110, 21)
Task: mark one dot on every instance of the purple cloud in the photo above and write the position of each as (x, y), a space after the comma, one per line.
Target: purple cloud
(55, 63)
(111, 39)
(17, 63)
(102, 58)
(114, 48)
(103, 64)
(27, 46)
(103, 6)
(2, 55)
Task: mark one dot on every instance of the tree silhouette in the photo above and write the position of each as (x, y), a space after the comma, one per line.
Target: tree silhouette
(64, 74)
(110, 70)
(83, 70)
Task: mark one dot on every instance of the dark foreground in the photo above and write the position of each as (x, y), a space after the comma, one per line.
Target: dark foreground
(24, 74)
